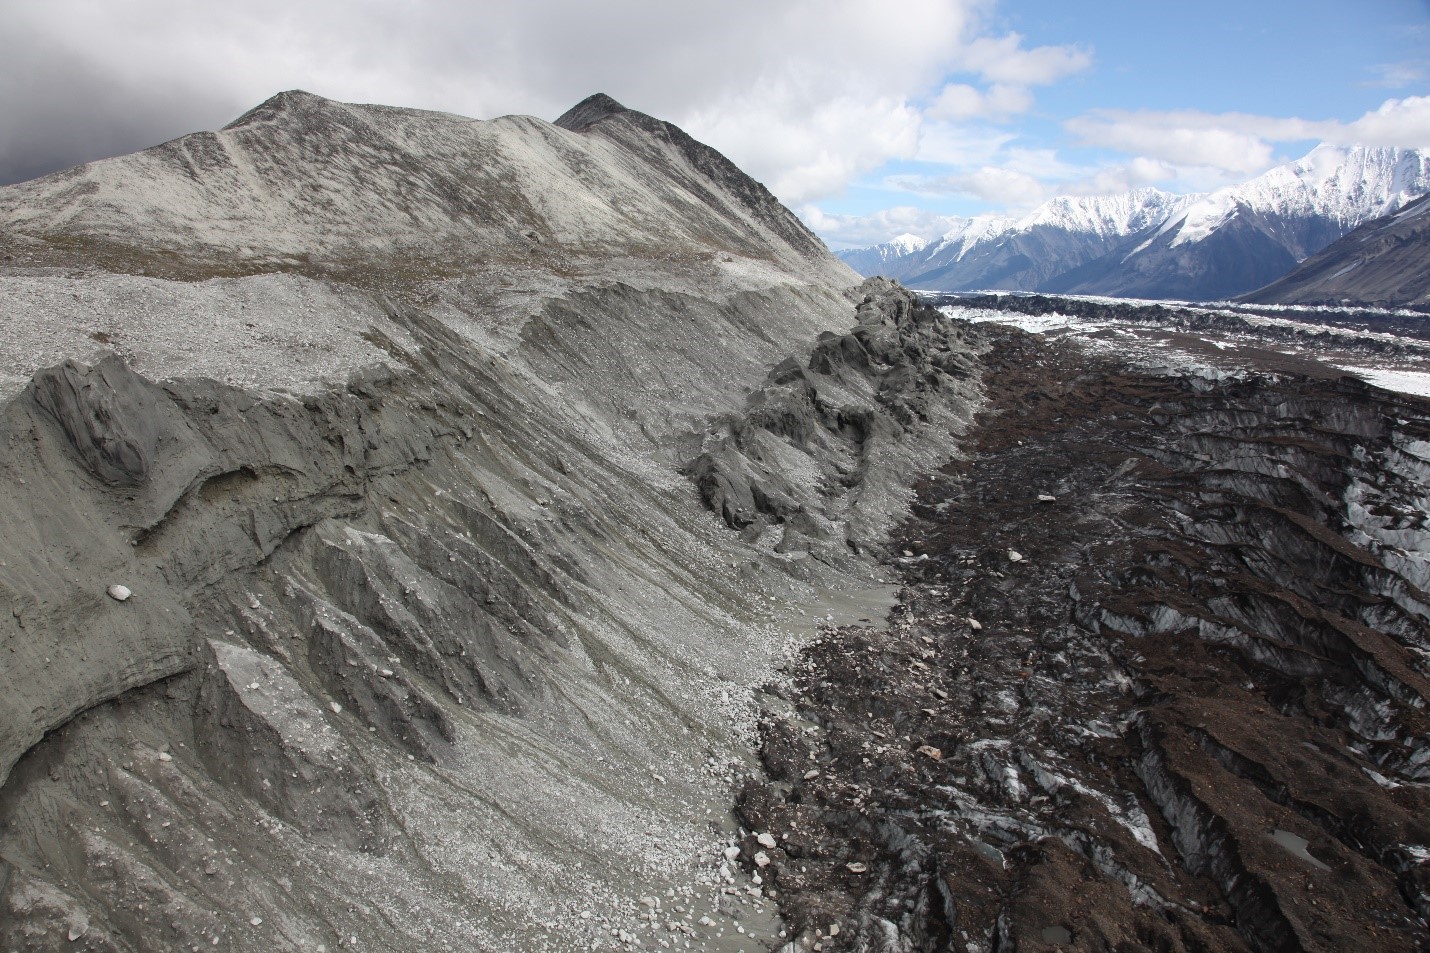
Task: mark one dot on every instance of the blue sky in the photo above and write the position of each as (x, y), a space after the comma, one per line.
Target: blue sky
(1228, 75)
(868, 118)
(1259, 56)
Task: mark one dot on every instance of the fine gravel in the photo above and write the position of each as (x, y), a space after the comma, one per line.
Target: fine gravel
(275, 331)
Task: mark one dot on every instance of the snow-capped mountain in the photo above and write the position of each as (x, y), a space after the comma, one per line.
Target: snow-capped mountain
(1345, 187)
(1020, 253)
(1243, 237)
(1153, 244)
(1108, 216)
(963, 237)
(872, 260)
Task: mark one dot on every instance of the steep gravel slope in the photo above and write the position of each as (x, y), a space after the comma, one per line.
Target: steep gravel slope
(360, 591)
(305, 183)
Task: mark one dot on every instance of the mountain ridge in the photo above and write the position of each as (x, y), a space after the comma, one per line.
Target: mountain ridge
(1020, 253)
(301, 181)
(1195, 247)
(358, 588)
(1383, 263)
(868, 260)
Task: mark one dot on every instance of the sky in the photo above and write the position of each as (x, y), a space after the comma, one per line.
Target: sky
(869, 119)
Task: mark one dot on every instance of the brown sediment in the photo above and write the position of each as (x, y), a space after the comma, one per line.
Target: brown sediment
(1210, 651)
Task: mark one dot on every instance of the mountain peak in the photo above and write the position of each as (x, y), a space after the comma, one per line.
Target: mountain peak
(907, 243)
(1109, 216)
(1383, 263)
(304, 182)
(288, 102)
(1343, 185)
(590, 111)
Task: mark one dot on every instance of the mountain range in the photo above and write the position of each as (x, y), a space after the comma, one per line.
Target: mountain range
(875, 259)
(1153, 244)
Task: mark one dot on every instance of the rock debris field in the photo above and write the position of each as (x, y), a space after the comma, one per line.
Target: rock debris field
(1156, 679)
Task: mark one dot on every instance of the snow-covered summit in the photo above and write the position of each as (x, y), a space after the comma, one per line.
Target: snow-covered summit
(1096, 216)
(905, 244)
(1345, 186)
(875, 258)
(1108, 216)
(1148, 243)
(968, 233)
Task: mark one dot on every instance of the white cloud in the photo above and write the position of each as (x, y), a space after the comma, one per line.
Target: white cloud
(1044, 165)
(833, 78)
(1400, 75)
(1003, 60)
(1021, 177)
(1184, 138)
(954, 144)
(959, 101)
(859, 231)
(834, 142)
(1116, 178)
(1398, 122)
(999, 185)
(1011, 71)
(1231, 146)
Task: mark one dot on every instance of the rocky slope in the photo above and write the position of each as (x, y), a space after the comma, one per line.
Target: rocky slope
(360, 588)
(1384, 263)
(404, 520)
(304, 183)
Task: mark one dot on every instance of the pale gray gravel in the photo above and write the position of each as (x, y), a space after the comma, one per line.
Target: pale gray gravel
(274, 331)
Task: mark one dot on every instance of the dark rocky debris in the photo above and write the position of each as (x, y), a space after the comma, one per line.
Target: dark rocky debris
(1156, 681)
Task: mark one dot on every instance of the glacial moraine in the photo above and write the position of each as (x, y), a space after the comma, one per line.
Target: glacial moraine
(1155, 627)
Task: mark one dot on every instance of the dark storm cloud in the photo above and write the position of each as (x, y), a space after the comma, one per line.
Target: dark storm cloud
(59, 109)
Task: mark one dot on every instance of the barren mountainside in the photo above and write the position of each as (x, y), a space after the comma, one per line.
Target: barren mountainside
(360, 587)
(302, 181)
(1383, 263)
